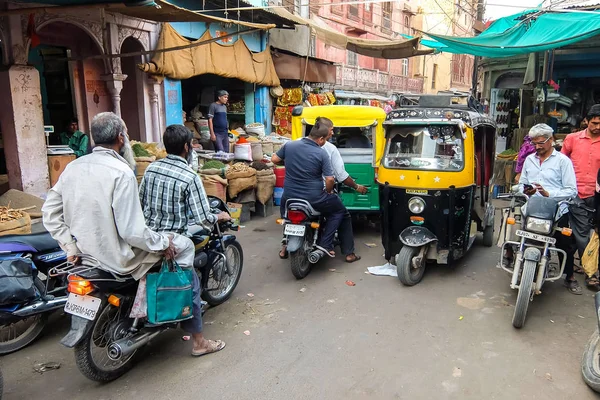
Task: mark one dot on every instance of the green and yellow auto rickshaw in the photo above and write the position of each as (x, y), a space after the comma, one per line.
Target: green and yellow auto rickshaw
(435, 164)
(355, 129)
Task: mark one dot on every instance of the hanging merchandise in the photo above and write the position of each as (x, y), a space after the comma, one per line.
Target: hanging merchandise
(313, 99)
(290, 97)
(283, 116)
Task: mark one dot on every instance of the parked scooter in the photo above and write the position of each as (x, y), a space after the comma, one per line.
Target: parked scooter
(105, 339)
(530, 268)
(22, 322)
(302, 227)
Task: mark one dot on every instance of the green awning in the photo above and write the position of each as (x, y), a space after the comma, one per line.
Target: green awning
(523, 33)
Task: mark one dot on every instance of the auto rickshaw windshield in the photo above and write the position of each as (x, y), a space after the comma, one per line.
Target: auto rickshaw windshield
(431, 148)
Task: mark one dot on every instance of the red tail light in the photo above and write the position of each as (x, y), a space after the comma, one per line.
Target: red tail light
(296, 217)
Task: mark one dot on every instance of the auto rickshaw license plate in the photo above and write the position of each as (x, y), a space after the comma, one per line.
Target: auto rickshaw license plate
(416, 191)
(535, 236)
(294, 230)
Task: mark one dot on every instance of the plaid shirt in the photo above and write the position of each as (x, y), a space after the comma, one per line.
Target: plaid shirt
(169, 192)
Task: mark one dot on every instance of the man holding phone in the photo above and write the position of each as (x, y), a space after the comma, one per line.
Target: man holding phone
(550, 173)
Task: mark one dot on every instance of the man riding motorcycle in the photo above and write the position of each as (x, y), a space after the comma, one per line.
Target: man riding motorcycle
(94, 209)
(306, 164)
(550, 173)
(168, 210)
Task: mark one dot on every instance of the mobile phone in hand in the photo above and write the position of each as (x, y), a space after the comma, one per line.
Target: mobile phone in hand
(527, 187)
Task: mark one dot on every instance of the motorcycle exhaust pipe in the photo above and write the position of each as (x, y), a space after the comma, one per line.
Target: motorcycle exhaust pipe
(124, 347)
(314, 256)
(40, 307)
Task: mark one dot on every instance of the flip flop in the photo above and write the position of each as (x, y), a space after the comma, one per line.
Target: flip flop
(578, 270)
(592, 283)
(356, 258)
(215, 345)
(573, 287)
(285, 253)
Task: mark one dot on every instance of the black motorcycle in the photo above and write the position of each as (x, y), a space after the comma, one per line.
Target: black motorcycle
(105, 339)
(302, 227)
(33, 257)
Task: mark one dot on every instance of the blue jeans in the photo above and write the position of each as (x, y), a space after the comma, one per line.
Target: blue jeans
(331, 207)
(222, 142)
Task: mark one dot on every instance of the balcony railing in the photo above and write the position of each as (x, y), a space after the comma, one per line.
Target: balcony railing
(351, 78)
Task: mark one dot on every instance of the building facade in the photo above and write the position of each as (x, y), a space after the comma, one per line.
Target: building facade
(61, 65)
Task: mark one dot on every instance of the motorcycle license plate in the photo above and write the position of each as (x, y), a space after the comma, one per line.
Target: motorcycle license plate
(535, 236)
(82, 306)
(294, 230)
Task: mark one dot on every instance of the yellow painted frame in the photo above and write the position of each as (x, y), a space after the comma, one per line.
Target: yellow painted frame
(414, 179)
(342, 116)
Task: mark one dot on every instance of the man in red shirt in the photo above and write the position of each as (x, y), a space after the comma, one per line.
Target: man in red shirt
(583, 148)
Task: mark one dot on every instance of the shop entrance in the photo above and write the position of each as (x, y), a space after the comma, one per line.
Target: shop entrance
(132, 94)
(69, 89)
(201, 91)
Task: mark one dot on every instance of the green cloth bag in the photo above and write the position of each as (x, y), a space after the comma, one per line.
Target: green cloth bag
(169, 294)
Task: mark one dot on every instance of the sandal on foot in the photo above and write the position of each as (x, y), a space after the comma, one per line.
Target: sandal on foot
(573, 287)
(213, 347)
(592, 283)
(283, 253)
(350, 258)
(578, 270)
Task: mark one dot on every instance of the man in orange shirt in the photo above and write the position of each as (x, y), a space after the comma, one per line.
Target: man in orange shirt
(583, 148)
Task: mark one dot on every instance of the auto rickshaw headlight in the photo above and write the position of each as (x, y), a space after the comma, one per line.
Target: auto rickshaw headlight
(416, 205)
(538, 225)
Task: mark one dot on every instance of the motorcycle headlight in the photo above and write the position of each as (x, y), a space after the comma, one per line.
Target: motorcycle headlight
(416, 205)
(538, 225)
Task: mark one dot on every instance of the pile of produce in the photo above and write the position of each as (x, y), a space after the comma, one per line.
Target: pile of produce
(14, 222)
(152, 149)
(140, 151)
(508, 154)
(213, 164)
(259, 165)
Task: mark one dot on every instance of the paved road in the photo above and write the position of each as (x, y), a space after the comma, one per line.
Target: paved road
(376, 340)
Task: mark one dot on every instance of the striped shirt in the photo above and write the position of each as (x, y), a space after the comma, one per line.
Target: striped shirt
(170, 192)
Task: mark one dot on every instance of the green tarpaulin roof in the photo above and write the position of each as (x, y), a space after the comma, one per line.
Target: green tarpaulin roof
(527, 32)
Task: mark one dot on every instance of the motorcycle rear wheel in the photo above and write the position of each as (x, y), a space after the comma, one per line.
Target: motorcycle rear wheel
(107, 328)
(11, 343)
(590, 362)
(524, 296)
(299, 263)
(226, 283)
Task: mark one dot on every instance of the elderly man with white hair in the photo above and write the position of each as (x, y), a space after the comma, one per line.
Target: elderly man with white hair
(94, 209)
(550, 173)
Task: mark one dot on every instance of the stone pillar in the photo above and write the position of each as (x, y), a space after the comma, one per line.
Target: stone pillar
(22, 124)
(154, 91)
(114, 85)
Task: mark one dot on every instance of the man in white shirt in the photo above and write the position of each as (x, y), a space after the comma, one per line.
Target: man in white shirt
(94, 209)
(345, 233)
(550, 173)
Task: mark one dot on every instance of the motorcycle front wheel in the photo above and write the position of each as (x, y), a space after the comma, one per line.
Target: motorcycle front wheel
(224, 277)
(91, 353)
(16, 335)
(590, 363)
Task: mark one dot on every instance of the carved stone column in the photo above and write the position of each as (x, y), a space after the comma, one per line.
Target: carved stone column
(114, 84)
(154, 92)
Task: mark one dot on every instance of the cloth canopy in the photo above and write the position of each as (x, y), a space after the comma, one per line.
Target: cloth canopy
(388, 49)
(527, 32)
(229, 61)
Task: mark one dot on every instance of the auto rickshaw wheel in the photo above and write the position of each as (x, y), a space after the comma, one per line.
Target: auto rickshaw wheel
(408, 273)
(488, 236)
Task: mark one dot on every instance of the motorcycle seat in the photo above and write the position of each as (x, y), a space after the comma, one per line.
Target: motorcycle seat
(302, 204)
(39, 241)
(97, 273)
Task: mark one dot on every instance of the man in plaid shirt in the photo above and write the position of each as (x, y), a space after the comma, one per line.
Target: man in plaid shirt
(170, 192)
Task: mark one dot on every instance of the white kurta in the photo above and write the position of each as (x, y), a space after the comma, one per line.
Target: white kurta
(94, 209)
